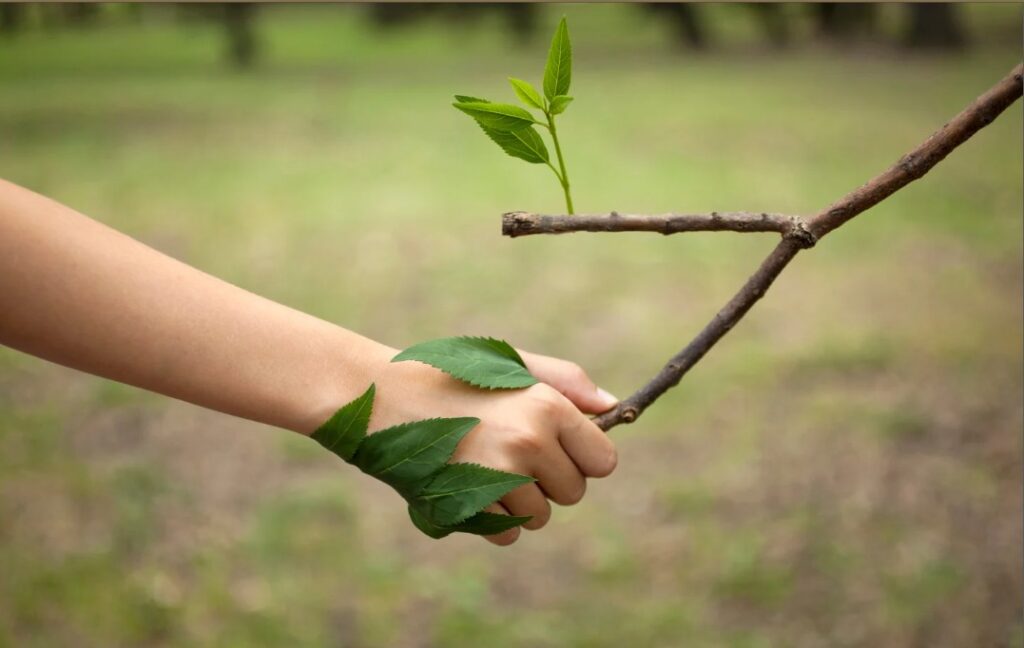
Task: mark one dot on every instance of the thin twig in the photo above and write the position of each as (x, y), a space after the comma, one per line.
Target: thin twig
(910, 167)
(524, 223)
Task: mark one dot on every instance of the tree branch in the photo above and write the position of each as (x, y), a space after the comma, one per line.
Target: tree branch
(910, 167)
(524, 223)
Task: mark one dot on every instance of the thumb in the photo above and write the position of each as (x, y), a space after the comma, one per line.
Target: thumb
(591, 399)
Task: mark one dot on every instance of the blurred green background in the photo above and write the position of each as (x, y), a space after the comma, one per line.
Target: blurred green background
(842, 470)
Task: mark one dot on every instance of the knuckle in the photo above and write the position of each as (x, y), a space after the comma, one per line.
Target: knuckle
(546, 399)
(538, 521)
(527, 443)
(503, 539)
(576, 373)
(574, 494)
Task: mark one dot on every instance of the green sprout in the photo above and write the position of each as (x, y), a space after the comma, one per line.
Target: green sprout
(511, 127)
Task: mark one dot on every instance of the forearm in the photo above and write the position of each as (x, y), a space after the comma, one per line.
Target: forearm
(80, 294)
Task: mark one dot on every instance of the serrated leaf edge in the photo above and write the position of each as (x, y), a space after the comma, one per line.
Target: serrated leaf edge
(492, 133)
(512, 522)
(364, 400)
(520, 481)
(510, 354)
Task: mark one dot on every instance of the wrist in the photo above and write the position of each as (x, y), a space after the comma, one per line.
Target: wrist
(343, 366)
(408, 391)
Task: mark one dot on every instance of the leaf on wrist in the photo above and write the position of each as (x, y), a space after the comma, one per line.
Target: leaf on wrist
(462, 490)
(404, 455)
(558, 71)
(480, 361)
(344, 431)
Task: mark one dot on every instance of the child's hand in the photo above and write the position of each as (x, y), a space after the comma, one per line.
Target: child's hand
(541, 431)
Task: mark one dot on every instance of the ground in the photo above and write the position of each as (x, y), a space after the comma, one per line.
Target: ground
(842, 470)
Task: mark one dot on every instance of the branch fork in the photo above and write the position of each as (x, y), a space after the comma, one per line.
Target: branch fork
(797, 233)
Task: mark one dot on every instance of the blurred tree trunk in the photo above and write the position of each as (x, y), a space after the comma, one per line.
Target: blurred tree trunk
(773, 22)
(521, 18)
(689, 29)
(79, 14)
(934, 26)
(238, 22)
(845, 21)
(392, 14)
(11, 18)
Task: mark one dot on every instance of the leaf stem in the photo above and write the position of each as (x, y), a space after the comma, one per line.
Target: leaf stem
(555, 171)
(564, 177)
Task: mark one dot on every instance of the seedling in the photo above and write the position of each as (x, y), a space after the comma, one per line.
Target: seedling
(511, 127)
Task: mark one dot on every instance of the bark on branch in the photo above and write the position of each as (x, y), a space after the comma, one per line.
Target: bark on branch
(524, 223)
(796, 233)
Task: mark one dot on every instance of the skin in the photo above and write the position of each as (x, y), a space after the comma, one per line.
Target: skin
(80, 294)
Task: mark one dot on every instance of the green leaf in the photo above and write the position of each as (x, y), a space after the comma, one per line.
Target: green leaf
(486, 523)
(468, 99)
(559, 104)
(522, 143)
(527, 93)
(461, 490)
(483, 523)
(344, 431)
(435, 531)
(479, 361)
(412, 458)
(558, 71)
(404, 455)
(503, 117)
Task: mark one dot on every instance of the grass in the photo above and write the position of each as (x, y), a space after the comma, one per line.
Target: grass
(842, 470)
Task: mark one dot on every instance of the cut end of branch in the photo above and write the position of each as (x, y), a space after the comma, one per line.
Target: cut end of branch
(516, 223)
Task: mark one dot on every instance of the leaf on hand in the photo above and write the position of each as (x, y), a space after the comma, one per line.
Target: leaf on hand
(483, 523)
(527, 93)
(404, 455)
(486, 523)
(344, 431)
(559, 104)
(479, 361)
(435, 531)
(522, 143)
(462, 490)
(413, 459)
(558, 71)
(503, 117)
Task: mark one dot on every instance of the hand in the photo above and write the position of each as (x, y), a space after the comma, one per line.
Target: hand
(541, 431)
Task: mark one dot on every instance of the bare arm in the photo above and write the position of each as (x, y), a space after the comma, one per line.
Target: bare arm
(81, 294)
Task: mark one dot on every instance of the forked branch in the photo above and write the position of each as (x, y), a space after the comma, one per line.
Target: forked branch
(796, 234)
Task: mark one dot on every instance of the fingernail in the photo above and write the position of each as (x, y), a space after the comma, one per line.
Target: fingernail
(606, 398)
